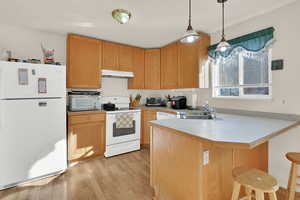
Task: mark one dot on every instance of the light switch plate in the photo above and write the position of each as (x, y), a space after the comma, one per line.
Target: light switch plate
(277, 65)
(205, 157)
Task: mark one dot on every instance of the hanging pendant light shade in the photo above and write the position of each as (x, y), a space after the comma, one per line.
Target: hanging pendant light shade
(223, 45)
(190, 35)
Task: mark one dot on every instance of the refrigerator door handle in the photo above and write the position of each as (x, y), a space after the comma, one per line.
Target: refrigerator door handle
(42, 104)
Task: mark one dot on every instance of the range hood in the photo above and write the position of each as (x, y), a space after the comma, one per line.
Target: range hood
(115, 73)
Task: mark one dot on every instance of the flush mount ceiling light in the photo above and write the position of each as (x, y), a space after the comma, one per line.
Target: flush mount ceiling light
(190, 35)
(120, 15)
(223, 45)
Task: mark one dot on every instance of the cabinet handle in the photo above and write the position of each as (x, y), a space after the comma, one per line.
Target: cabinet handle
(42, 104)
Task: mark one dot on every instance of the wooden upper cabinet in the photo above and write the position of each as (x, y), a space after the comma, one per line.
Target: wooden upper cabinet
(83, 62)
(203, 62)
(174, 66)
(169, 67)
(152, 69)
(110, 56)
(204, 42)
(188, 59)
(125, 58)
(138, 68)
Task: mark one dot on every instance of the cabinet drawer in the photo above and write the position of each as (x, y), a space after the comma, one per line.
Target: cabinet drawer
(87, 118)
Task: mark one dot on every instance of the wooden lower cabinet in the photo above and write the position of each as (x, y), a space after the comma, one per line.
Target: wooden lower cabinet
(178, 171)
(147, 116)
(86, 136)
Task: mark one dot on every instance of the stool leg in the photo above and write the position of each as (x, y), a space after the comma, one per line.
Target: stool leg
(259, 195)
(248, 194)
(292, 182)
(236, 191)
(272, 196)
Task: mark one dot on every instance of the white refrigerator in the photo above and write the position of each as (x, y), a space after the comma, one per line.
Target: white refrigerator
(32, 122)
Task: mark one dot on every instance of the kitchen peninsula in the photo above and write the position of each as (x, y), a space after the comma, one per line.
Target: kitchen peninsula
(193, 159)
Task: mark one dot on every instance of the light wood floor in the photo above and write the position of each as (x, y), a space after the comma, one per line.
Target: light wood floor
(124, 177)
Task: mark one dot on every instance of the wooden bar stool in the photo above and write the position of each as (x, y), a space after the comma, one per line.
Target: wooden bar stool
(254, 180)
(295, 159)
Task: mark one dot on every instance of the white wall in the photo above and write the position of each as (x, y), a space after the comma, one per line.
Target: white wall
(26, 43)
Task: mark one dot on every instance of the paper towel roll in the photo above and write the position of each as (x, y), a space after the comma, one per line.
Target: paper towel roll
(194, 101)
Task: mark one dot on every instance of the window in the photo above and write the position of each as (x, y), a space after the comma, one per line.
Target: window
(243, 76)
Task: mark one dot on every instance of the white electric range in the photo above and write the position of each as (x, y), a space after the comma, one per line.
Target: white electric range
(121, 140)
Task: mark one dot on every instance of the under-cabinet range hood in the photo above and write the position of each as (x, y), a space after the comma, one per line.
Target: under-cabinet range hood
(116, 73)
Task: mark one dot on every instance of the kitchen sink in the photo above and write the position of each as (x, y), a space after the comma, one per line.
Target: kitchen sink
(195, 115)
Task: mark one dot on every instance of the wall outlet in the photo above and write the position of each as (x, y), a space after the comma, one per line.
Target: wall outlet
(205, 157)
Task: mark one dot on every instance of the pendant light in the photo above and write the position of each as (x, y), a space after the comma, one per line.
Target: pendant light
(223, 45)
(190, 35)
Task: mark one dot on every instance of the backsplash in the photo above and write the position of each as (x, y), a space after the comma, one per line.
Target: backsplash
(119, 87)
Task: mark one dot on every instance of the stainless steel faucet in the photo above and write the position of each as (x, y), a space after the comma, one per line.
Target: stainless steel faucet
(210, 110)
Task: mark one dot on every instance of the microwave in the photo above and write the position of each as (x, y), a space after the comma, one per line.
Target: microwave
(84, 101)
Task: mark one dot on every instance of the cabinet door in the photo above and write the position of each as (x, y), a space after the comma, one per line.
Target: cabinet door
(86, 140)
(190, 59)
(125, 58)
(110, 56)
(138, 68)
(203, 61)
(147, 116)
(152, 69)
(169, 67)
(83, 62)
(188, 65)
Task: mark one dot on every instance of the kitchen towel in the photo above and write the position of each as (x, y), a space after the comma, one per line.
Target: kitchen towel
(124, 120)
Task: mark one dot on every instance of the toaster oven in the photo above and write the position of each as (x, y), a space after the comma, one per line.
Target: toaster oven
(84, 101)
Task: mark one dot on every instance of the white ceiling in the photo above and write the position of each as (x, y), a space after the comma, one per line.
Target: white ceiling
(154, 22)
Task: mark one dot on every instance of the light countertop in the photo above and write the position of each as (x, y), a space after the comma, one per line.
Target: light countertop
(70, 113)
(228, 128)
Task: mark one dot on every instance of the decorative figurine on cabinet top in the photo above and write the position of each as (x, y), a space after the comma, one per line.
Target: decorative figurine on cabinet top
(48, 55)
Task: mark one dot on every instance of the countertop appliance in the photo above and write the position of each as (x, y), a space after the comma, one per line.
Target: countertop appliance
(84, 100)
(155, 102)
(121, 139)
(32, 122)
(109, 107)
(178, 102)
